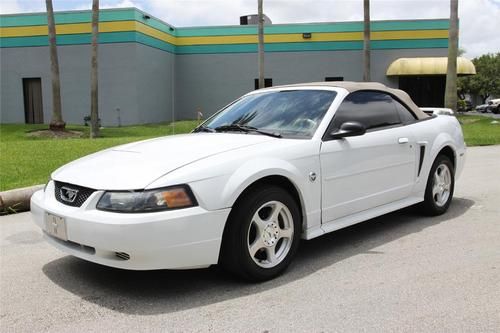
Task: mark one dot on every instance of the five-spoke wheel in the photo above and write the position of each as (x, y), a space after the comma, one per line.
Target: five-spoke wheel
(270, 234)
(262, 234)
(440, 185)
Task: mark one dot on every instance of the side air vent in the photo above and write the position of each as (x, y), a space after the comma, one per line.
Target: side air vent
(421, 160)
(122, 255)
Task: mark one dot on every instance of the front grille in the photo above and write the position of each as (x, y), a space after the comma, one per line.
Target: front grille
(64, 190)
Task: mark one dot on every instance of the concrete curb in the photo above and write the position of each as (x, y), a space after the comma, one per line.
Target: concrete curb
(17, 200)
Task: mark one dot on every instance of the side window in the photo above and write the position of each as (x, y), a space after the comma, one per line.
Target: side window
(371, 108)
(405, 115)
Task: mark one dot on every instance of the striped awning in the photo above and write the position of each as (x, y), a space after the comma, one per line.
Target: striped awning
(428, 66)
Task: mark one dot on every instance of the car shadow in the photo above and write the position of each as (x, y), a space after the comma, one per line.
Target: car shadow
(164, 291)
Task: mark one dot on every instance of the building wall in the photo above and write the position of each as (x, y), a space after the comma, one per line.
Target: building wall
(153, 72)
(210, 81)
(133, 78)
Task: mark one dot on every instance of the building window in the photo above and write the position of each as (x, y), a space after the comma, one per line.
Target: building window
(334, 78)
(267, 83)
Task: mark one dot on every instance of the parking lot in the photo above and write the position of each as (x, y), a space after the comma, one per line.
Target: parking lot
(399, 272)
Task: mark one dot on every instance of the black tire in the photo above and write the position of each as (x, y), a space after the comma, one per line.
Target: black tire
(235, 251)
(431, 206)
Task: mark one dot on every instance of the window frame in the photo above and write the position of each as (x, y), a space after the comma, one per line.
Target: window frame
(326, 136)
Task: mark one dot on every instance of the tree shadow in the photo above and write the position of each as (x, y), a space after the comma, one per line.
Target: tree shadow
(164, 291)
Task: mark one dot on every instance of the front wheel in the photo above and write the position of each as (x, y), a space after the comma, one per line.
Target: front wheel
(440, 186)
(262, 235)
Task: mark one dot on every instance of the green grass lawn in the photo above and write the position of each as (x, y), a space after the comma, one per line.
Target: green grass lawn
(26, 161)
(480, 131)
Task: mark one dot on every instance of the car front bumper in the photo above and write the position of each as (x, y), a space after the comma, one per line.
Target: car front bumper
(177, 239)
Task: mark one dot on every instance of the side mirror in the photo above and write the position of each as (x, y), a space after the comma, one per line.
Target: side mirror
(349, 128)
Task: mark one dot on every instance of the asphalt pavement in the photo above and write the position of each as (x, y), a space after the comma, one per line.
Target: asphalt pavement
(398, 273)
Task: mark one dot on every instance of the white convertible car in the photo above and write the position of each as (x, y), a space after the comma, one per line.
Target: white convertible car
(274, 166)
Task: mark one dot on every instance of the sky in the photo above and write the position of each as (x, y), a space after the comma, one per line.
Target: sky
(479, 19)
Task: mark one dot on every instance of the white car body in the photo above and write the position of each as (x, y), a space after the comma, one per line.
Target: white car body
(438, 111)
(339, 182)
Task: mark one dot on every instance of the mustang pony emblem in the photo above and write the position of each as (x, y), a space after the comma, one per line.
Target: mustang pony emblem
(68, 194)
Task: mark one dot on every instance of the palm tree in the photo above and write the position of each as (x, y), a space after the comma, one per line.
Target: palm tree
(56, 122)
(261, 43)
(450, 95)
(366, 41)
(94, 115)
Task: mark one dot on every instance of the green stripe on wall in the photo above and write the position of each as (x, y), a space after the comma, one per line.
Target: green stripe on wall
(131, 36)
(73, 39)
(153, 42)
(314, 27)
(410, 44)
(318, 46)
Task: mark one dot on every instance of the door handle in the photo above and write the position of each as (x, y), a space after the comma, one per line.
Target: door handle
(402, 140)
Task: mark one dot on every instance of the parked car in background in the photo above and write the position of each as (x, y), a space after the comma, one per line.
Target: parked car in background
(276, 165)
(494, 106)
(437, 111)
(483, 108)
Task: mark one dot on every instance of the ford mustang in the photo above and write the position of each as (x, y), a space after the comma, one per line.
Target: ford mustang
(275, 166)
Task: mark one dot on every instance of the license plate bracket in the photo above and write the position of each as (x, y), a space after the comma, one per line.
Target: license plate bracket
(56, 226)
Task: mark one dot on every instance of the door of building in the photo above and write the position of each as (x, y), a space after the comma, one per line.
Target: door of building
(33, 107)
(425, 90)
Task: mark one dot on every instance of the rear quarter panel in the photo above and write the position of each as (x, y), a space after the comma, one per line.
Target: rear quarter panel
(436, 134)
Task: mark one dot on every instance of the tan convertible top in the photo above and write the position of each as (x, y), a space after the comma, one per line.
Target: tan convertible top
(355, 86)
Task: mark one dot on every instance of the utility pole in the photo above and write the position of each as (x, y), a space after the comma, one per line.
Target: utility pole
(366, 41)
(56, 123)
(261, 44)
(450, 95)
(94, 114)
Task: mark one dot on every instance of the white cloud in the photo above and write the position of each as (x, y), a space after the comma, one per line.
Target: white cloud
(9, 7)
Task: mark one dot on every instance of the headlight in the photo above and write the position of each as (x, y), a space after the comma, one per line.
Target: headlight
(147, 201)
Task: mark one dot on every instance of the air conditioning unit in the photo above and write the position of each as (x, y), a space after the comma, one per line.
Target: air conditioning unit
(253, 19)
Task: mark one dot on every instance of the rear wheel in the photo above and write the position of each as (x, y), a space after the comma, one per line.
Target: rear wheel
(440, 186)
(262, 234)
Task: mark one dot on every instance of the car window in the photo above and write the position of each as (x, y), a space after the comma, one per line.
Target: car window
(295, 113)
(405, 115)
(371, 108)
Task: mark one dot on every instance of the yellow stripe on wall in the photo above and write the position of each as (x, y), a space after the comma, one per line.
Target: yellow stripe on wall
(147, 30)
(67, 29)
(79, 28)
(315, 37)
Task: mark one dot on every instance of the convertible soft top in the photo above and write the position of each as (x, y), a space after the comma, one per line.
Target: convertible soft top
(352, 86)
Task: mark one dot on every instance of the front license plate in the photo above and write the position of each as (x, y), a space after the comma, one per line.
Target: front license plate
(56, 226)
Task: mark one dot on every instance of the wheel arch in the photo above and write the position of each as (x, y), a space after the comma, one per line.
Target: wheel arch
(449, 152)
(277, 180)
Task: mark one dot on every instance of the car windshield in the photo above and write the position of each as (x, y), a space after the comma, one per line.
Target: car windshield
(285, 113)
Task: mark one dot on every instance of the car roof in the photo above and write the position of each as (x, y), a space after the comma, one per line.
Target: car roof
(352, 86)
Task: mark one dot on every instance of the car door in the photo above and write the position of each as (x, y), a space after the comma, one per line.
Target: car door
(370, 170)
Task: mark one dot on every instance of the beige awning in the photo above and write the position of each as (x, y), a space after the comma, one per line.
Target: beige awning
(428, 66)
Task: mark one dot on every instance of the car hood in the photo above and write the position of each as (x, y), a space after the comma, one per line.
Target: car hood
(135, 165)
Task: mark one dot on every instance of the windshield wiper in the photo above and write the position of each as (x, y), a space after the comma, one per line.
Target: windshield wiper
(246, 129)
(204, 129)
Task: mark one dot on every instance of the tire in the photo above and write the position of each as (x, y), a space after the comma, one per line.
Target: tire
(440, 187)
(262, 234)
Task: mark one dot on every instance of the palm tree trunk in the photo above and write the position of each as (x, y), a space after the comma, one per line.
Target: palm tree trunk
(261, 44)
(56, 122)
(366, 41)
(94, 114)
(450, 95)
